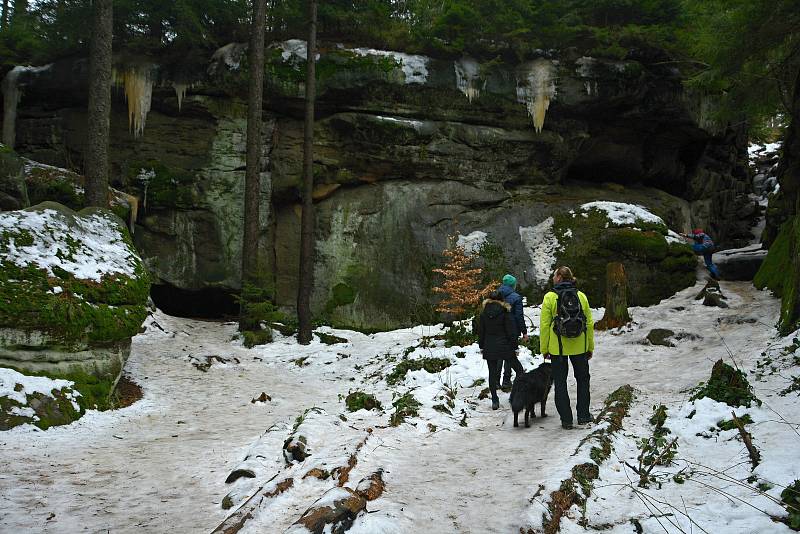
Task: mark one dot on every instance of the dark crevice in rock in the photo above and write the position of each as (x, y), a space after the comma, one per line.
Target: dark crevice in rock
(208, 303)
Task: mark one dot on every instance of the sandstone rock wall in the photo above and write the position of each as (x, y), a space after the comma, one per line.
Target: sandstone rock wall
(408, 152)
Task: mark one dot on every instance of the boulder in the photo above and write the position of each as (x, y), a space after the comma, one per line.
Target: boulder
(741, 263)
(37, 400)
(73, 291)
(712, 295)
(661, 336)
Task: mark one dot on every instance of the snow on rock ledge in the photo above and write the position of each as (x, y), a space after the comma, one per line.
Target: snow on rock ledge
(73, 291)
(622, 214)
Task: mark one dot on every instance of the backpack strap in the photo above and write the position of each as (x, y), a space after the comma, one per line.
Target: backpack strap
(558, 335)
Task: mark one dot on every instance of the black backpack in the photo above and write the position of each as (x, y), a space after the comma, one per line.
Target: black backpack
(570, 320)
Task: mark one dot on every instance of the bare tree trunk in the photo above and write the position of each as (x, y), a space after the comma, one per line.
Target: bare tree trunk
(99, 112)
(306, 279)
(252, 182)
(616, 298)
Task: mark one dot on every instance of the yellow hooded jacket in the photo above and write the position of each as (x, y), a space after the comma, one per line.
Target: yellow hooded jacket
(548, 340)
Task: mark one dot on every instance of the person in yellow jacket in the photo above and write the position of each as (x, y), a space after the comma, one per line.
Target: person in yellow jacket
(576, 343)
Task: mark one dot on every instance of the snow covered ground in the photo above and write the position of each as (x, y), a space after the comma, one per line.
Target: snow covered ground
(161, 464)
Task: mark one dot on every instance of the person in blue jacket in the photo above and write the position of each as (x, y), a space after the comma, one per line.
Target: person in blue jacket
(704, 246)
(508, 291)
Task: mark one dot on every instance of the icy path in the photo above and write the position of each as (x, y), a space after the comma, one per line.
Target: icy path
(160, 465)
(481, 478)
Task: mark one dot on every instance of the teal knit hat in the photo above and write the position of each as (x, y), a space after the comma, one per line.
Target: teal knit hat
(509, 280)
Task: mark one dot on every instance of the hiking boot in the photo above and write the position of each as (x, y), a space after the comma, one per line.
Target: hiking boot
(586, 421)
(506, 384)
(566, 426)
(495, 403)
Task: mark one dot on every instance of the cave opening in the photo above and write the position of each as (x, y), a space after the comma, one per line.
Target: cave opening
(206, 303)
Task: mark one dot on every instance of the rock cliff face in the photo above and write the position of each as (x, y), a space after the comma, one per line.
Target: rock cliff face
(409, 151)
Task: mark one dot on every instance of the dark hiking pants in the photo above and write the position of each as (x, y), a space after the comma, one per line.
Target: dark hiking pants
(496, 366)
(506, 371)
(580, 367)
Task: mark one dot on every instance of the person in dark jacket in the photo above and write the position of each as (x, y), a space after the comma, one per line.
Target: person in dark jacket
(512, 298)
(497, 338)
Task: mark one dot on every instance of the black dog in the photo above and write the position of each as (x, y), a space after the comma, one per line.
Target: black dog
(530, 388)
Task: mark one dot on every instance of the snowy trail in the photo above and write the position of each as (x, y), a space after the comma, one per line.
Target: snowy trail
(481, 478)
(157, 465)
(161, 464)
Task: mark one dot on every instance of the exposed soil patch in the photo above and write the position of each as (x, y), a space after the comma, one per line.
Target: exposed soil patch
(127, 392)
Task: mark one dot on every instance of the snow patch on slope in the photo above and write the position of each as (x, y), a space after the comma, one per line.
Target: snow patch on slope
(542, 245)
(472, 242)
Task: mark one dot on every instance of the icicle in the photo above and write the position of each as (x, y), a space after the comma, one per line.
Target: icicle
(536, 86)
(468, 78)
(144, 178)
(180, 92)
(138, 83)
(11, 96)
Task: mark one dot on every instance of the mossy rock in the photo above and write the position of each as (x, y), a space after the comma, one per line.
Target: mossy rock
(48, 299)
(727, 385)
(329, 339)
(161, 186)
(63, 404)
(656, 269)
(661, 336)
(780, 272)
(252, 338)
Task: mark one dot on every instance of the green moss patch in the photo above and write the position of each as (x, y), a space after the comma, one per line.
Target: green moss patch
(358, 400)
(336, 67)
(655, 268)
(790, 497)
(329, 339)
(431, 365)
(780, 272)
(252, 338)
(772, 273)
(161, 186)
(728, 424)
(727, 385)
(95, 393)
(74, 312)
(404, 407)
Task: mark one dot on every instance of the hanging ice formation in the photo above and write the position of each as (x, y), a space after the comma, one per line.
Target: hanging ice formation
(468, 79)
(180, 92)
(138, 83)
(536, 86)
(11, 95)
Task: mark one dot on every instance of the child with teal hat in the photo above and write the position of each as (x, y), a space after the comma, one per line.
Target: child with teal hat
(510, 296)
